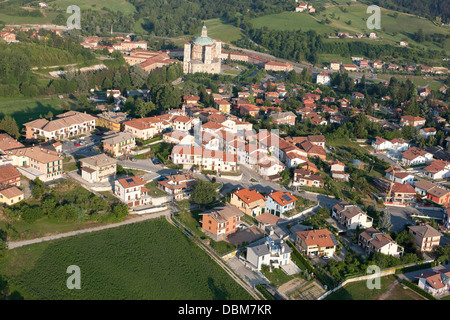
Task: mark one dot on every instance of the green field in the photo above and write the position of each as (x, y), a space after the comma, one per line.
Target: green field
(24, 110)
(393, 28)
(123, 5)
(219, 30)
(46, 19)
(389, 290)
(147, 260)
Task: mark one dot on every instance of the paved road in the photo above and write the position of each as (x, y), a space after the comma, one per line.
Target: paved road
(17, 244)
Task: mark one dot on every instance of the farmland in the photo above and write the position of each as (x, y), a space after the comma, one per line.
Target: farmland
(155, 261)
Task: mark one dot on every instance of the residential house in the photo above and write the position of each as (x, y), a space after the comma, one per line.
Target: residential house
(316, 242)
(337, 169)
(132, 191)
(398, 175)
(279, 202)
(437, 170)
(221, 222)
(42, 163)
(284, 118)
(9, 176)
(11, 195)
(111, 120)
(269, 166)
(426, 237)
(273, 252)
(278, 66)
(178, 186)
(323, 78)
(188, 156)
(251, 202)
(412, 121)
(9, 183)
(68, 124)
(415, 156)
(119, 143)
(350, 67)
(403, 193)
(335, 66)
(427, 132)
(306, 178)
(98, 168)
(224, 106)
(8, 143)
(372, 241)
(435, 282)
(146, 128)
(351, 216)
(439, 195)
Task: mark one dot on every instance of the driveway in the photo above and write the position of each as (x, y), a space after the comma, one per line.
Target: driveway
(400, 217)
(248, 275)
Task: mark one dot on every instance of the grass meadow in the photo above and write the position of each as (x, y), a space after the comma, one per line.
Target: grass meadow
(394, 27)
(149, 260)
(27, 109)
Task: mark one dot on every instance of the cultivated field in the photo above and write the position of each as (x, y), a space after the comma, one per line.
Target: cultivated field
(148, 260)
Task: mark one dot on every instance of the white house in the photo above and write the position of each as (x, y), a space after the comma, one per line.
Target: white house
(98, 168)
(270, 166)
(415, 156)
(435, 282)
(351, 216)
(372, 240)
(274, 253)
(280, 202)
(437, 170)
(323, 78)
(132, 191)
(399, 175)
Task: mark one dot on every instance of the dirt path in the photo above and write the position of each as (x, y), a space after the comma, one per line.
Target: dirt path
(385, 295)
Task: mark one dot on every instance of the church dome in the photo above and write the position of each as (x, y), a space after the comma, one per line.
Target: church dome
(204, 40)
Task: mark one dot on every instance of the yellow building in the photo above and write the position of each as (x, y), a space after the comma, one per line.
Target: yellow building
(251, 202)
(111, 120)
(11, 195)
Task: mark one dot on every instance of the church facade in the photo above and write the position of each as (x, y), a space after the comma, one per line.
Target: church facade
(202, 55)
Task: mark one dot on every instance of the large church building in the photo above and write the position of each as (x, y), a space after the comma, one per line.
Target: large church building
(203, 55)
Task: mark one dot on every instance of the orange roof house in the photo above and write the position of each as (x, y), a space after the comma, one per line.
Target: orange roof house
(316, 242)
(251, 202)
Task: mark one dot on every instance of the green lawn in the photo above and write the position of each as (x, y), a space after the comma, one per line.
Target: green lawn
(219, 30)
(123, 5)
(360, 291)
(24, 110)
(154, 191)
(46, 19)
(148, 260)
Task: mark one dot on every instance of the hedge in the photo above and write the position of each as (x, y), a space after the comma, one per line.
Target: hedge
(416, 267)
(416, 288)
(264, 292)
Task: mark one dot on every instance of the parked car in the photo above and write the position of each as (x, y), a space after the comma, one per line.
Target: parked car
(156, 161)
(77, 144)
(161, 179)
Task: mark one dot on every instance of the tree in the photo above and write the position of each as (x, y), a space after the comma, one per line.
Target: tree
(204, 192)
(384, 223)
(9, 125)
(137, 76)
